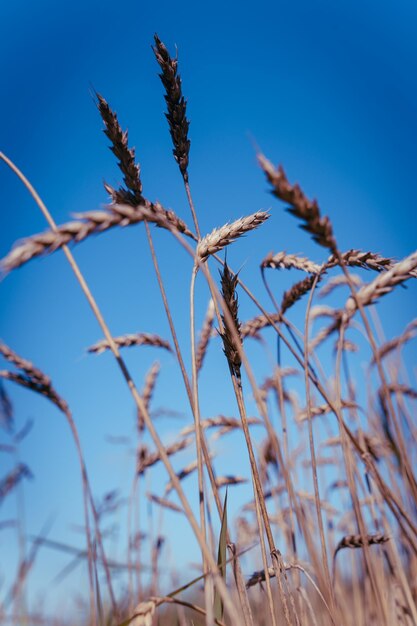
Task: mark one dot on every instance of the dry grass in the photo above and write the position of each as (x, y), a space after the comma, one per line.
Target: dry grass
(330, 453)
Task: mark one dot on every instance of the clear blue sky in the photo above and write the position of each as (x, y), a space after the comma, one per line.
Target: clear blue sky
(326, 88)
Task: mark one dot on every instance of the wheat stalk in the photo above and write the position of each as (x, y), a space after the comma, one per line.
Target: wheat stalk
(121, 150)
(404, 389)
(90, 223)
(339, 281)
(392, 344)
(300, 206)
(6, 409)
(24, 365)
(126, 341)
(186, 471)
(146, 459)
(366, 260)
(357, 541)
(176, 105)
(297, 291)
(220, 421)
(322, 310)
(282, 260)
(144, 612)
(353, 258)
(279, 373)
(232, 327)
(347, 345)
(325, 332)
(221, 237)
(383, 284)
(35, 385)
(147, 392)
(227, 481)
(31, 377)
(163, 502)
(322, 409)
(252, 327)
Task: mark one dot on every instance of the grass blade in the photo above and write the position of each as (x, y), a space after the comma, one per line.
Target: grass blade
(221, 562)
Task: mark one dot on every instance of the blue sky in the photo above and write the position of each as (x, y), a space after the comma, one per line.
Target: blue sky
(327, 89)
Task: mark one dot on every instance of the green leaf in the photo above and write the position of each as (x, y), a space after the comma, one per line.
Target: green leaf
(221, 562)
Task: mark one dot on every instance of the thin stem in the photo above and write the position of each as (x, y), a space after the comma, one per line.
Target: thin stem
(353, 492)
(312, 449)
(192, 208)
(265, 561)
(197, 421)
(71, 422)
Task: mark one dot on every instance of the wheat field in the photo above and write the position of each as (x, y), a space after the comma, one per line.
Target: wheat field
(327, 437)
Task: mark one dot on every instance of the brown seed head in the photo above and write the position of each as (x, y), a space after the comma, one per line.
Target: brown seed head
(176, 105)
(126, 155)
(135, 339)
(300, 206)
(221, 237)
(282, 260)
(87, 224)
(229, 282)
(383, 283)
(357, 541)
(297, 291)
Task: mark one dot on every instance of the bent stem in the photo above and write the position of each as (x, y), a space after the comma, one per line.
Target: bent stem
(70, 420)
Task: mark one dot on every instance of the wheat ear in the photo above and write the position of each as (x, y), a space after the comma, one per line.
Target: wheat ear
(9, 482)
(383, 284)
(126, 341)
(221, 237)
(31, 377)
(357, 541)
(176, 105)
(89, 223)
(306, 210)
(147, 391)
(397, 342)
(251, 327)
(120, 148)
(297, 291)
(146, 459)
(282, 260)
(230, 348)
